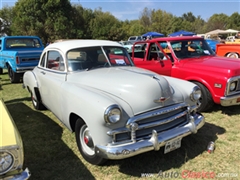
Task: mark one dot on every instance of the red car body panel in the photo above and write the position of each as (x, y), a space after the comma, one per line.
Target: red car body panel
(209, 70)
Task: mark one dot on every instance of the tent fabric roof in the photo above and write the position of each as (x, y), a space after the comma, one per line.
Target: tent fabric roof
(152, 34)
(182, 33)
(232, 31)
(217, 31)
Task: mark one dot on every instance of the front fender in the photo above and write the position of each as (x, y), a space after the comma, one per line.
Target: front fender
(90, 104)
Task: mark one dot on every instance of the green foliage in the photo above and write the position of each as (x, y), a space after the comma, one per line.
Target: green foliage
(49, 19)
(58, 19)
(105, 26)
(217, 21)
(6, 15)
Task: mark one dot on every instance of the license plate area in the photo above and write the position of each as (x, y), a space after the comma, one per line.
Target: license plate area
(172, 145)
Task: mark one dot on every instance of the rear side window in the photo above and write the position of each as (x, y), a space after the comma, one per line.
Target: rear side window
(55, 61)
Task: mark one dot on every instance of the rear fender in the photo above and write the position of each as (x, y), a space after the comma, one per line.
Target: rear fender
(30, 82)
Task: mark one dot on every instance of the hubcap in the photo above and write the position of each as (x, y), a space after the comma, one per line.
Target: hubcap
(86, 140)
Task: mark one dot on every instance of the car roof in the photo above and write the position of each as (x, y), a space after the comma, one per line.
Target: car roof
(79, 43)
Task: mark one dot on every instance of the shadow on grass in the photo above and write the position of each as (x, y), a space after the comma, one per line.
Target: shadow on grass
(154, 161)
(228, 110)
(45, 154)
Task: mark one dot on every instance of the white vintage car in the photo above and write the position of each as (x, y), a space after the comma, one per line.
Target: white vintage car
(115, 109)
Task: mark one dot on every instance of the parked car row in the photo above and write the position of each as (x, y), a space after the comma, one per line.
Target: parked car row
(122, 103)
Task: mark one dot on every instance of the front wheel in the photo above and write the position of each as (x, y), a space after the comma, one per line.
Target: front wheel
(14, 77)
(85, 143)
(206, 98)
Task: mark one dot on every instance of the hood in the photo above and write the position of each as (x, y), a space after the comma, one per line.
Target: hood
(217, 64)
(139, 88)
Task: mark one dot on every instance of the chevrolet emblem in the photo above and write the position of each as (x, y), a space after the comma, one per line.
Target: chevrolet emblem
(161, 99)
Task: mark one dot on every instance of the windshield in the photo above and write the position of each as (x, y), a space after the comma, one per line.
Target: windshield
(23, 43)
(194, 48)
(97, 57)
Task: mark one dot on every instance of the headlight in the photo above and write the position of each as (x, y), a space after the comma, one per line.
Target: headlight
(112, 114)
(196, 93)
(6, 162)
(233, 86)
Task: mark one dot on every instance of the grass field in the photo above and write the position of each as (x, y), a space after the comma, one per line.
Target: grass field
(51, 152)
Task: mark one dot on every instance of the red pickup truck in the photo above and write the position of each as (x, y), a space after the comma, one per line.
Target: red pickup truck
(191, 59)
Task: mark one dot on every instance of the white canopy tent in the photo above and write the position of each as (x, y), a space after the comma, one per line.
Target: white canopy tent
(217, 31)
(232, 31)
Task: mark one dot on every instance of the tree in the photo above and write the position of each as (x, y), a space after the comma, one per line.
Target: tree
(6, 18)
(217, 21)
(189, 17)
(49, 19)
(105, 26)
(81, 20)
(161, 21)
(145, 18)
(234, 21)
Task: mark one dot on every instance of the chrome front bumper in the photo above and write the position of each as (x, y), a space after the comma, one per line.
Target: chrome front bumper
(230, 101)
(156, 141)
(24, 175)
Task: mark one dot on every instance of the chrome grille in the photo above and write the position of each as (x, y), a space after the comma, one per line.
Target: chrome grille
(159, 120)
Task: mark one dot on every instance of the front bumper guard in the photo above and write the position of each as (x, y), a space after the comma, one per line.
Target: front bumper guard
(122, 151)
(24, 175)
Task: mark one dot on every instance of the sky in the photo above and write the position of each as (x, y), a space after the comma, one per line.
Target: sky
(131, 9)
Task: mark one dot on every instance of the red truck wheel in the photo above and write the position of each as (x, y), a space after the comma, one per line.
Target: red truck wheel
(206, 98)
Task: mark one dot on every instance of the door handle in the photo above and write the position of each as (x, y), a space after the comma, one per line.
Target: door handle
(43, 72)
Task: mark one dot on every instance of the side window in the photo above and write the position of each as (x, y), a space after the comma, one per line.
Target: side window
(55, 61)
(155, 53)
(43, 60)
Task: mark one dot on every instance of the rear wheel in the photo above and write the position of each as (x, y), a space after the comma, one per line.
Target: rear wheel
(14, 77)
(1, 70)
(206, 98)
(233, 55)
(85, 143)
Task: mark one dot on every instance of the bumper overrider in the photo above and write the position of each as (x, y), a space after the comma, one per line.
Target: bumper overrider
(126, 150)
(24, 175)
